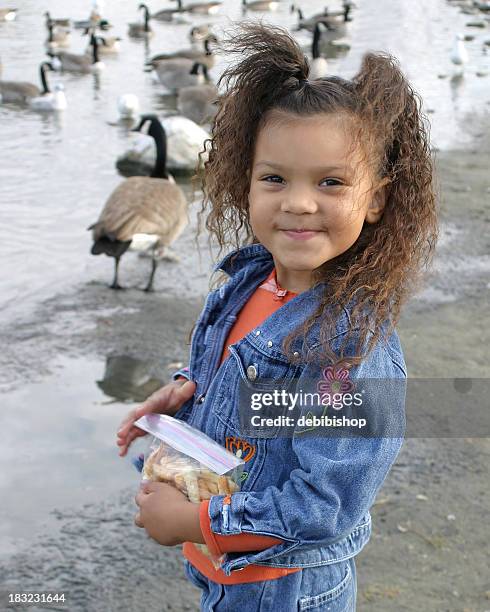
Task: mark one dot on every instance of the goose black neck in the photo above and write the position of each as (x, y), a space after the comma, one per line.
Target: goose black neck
(95, 49)
(49, 25)
(315, 47)
(195, 69)
(207, 48)
(158, 134)
(347, 10)
(147, 16)
(300, 14)
(179, 5)
(42, 73)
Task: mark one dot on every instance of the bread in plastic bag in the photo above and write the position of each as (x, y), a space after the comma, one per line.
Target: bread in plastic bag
(189, 460)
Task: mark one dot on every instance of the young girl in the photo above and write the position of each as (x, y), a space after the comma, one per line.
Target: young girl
(328, 184)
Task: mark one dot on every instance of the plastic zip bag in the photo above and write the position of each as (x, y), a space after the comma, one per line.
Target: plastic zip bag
(189, 460)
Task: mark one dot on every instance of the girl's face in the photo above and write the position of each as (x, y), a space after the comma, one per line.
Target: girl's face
(310, 194)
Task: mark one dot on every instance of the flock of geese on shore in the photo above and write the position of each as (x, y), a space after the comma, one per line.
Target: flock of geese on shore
(148, 213)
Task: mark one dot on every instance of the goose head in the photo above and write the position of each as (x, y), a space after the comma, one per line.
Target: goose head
(104, 25)
(143, 7)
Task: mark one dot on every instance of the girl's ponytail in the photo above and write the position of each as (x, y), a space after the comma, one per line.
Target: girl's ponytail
(270, 65)
(391, 110)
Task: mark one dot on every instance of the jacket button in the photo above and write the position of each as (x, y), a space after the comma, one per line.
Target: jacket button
(257, 333)
(269, 344)
(296, 354)
(251, 372)
(201, 399)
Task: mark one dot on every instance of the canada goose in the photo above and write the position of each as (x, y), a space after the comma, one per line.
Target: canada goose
(205, 56)
(94, 21)
(482, 6)
(128, 106)
(65, 23)
(318, 65)
(198, 33)
(198, 102)
(336, 23)
(260, 5)
(184, 142)
(141, 30)
(48, 100)
(8, 14)
(310, 22)
(342, 16)
(202, 8)
(145, 213)
(85, 63)
(19, 92)
(110, 44)
(166, 14)
(57, 38)
(180, 72)
(459, 54)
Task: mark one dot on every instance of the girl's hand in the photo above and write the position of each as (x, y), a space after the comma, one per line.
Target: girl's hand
(166, 400)
(167, 515)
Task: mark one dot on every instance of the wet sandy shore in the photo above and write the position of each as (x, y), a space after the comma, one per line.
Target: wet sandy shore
(429, 546)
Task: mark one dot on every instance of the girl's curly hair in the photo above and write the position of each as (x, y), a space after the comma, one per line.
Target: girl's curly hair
(379, 272)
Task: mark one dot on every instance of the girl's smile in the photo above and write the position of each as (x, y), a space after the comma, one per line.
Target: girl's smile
(310, 194)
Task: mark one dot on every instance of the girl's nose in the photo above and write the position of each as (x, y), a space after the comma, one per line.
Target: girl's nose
(298, 201)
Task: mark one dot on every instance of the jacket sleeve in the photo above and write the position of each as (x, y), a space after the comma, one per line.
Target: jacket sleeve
(182, 373)
(184, 411)
(338, 478)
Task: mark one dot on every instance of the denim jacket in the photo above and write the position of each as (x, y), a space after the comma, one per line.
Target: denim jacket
(312, 492)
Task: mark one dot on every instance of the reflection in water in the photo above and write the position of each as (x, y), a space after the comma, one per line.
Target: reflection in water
(128, 379)
(96, 81)
(456, 84)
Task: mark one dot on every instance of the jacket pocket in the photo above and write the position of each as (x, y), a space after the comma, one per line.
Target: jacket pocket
(245, 375)
(340, 598)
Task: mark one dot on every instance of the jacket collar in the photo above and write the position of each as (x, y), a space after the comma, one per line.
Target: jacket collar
(240, 258)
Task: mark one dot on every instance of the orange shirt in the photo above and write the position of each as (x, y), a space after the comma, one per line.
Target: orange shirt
(266, 299)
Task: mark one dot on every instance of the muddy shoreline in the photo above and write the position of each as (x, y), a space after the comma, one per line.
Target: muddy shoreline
(428, 547)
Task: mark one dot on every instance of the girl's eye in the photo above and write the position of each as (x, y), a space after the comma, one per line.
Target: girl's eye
(273, 178)
(330, 182)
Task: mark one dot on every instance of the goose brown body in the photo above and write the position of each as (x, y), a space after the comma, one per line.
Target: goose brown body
(143, 205)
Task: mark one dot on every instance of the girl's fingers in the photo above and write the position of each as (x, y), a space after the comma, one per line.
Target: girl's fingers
(129, 440)
(137, 520)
